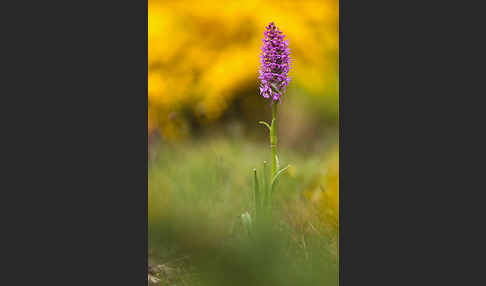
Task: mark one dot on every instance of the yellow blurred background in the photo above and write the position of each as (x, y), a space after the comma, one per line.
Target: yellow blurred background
(204, 55)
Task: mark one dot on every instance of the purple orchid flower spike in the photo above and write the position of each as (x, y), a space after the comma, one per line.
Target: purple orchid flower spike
(275, 63)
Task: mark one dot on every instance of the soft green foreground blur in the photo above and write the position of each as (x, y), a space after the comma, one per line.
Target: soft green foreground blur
(197, 193)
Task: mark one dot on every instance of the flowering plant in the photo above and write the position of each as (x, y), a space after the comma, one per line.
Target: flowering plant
(275, 65)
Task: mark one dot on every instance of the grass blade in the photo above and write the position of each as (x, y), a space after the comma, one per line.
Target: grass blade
(266, 184)
(256, 189)
(247, 223)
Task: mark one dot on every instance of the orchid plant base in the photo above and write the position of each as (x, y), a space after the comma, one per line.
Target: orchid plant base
(264, 188)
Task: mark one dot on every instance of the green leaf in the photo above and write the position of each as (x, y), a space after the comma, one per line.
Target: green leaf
(274, 181)
(264, 123)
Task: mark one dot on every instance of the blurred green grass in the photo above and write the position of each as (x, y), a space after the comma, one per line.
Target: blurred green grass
(198, 190)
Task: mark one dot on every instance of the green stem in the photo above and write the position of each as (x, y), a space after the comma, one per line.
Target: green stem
(273, 139)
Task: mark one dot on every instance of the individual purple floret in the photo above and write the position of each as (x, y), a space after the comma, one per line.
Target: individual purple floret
(275, 63)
